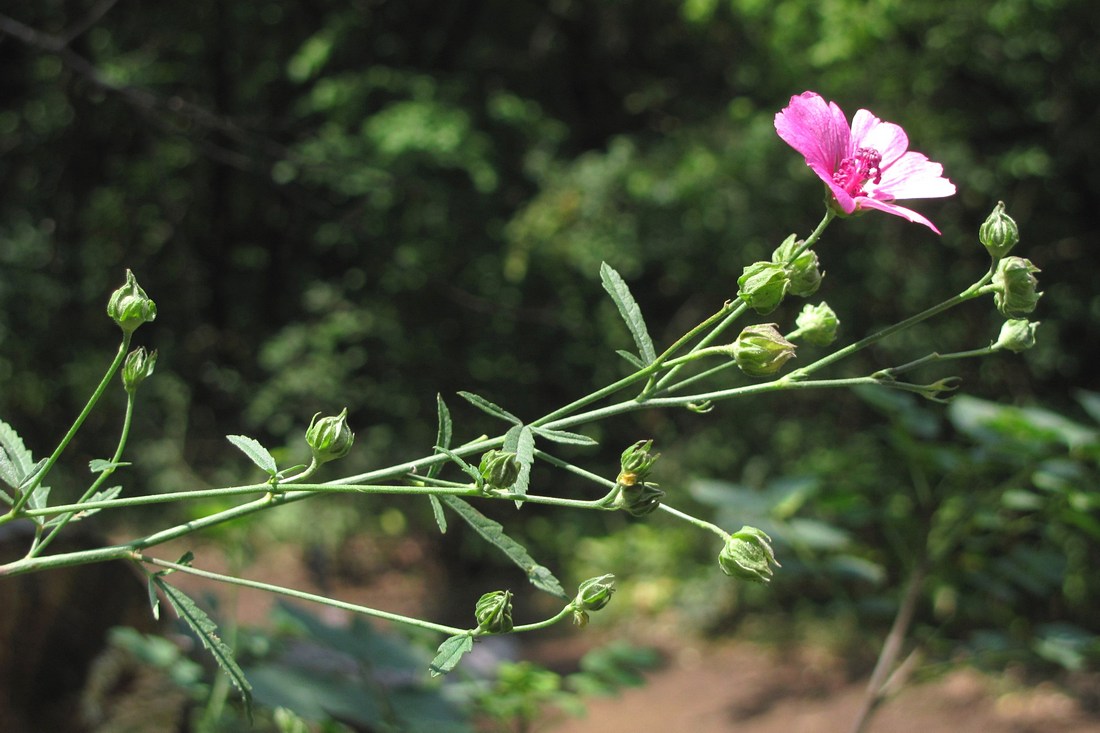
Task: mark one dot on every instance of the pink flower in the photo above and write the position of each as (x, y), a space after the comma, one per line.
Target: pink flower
(866, 166)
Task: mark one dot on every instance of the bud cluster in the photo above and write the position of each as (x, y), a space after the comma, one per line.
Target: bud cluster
(633, 493)
(763, 285)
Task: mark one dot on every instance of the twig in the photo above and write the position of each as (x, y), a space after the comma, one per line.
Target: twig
(876, 686)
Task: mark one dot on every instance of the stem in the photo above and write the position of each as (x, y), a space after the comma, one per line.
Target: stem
(100, 480)
(41, 475)
(973, 291)
(301, 595)
(933, 358)
(777, 385)
(696, 521)
(873, 697)
(548, 622)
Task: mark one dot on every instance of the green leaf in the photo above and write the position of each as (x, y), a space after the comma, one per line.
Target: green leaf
(450, 652)
(617, 288)
(493, 533)
(437, 512)
(488, 407)
(206, 630)
(563, 436)
(443, 440)
(154, 597)
(39, 498)
(256, 452)
(634, 361)
(98, 465)
(525, 454)
(443, 433)
(470, 470)
(15, 459)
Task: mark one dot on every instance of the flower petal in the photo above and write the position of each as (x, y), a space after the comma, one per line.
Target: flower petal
(913, 176)
(863, 202)
(817, 129)
(887, 138)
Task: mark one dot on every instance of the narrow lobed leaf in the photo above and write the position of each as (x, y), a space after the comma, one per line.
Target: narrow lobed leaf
(634, 361)
(437, 512)
(206, 630)
(443, 432)
(470, 470)
(563, 436)
(525, 454)
(617, 288)
(15, 459)
(488, 407)
(493, 533)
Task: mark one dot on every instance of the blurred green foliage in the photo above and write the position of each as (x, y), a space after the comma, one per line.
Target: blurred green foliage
(365, 204)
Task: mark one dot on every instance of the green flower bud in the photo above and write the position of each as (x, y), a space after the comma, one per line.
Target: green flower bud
(748, 555)
(138, 366)
(761, 350)
(1017, 334)
(330, 437)
(638, 499)
(499, 469)
(636, 463)
(817, 324)
(595, 593)
(130, 307)
(803, 272)
(762, 285)
(999, 233)
(1014, 287)
(494, 612)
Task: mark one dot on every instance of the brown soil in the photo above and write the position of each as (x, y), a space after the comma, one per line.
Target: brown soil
(745, 688)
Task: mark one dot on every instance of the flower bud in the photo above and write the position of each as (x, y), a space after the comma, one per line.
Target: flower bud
(761, 350)
(999, 233)
(817, 324)
(1017, 334)
(499, 469)
(130, 307)
(748, 555)
(595, 593)
(638, 499)
(330, 437)
(138, 366)
(803, 272)
(762, 285)
(494, 612)
(636, 463)
(1014, 287)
